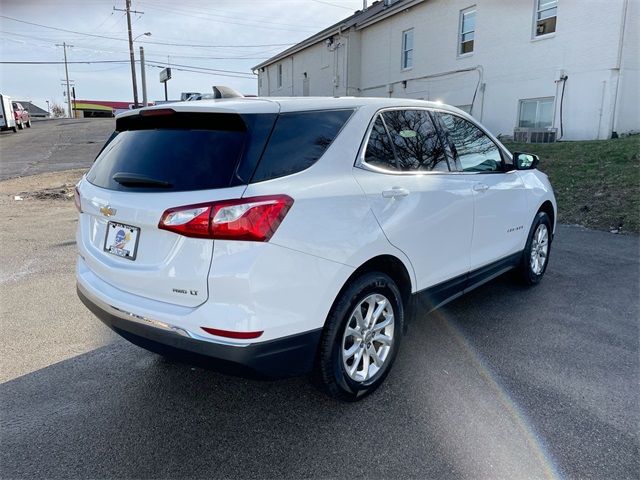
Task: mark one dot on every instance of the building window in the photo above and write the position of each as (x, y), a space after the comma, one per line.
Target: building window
(467, 30)
(546, 12)
(407, 49)
(279, 75)
(536, 113)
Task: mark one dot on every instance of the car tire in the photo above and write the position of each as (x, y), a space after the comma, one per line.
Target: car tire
(535, 257)
(357, 350)
(29, 124)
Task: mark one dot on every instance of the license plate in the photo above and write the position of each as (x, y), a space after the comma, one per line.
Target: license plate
(122, 240)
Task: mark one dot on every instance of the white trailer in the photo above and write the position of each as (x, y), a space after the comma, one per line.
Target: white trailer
(7, 119)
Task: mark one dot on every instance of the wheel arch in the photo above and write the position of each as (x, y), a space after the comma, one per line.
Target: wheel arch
(389, 265)
(547, 207)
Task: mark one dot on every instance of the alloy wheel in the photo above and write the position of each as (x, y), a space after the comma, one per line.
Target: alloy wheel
(539, 249)
(368, 337)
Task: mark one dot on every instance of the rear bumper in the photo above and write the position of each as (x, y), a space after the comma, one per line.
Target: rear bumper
(284, 357)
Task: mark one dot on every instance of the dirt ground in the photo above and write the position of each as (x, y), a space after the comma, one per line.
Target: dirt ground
(40, 314)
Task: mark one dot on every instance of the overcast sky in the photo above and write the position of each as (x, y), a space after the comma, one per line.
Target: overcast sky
(235, 23)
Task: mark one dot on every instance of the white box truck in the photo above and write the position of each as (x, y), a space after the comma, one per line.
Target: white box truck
(7, 119)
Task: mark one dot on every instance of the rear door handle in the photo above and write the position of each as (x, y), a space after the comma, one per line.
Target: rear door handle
(395, 192)
(480, 187)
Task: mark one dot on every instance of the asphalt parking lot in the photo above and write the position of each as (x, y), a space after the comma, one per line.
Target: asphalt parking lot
(506, 382)
(52, 145)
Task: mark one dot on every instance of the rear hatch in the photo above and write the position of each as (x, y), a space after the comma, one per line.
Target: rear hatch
(155, 162)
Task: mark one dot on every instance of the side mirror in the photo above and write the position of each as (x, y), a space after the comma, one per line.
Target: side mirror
(525, 161)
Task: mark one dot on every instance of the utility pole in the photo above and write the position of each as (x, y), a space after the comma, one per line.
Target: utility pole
(66, 72)
(73, 95)
(143, 75)
(131, 55)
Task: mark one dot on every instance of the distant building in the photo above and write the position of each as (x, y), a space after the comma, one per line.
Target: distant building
(521, 66)
(100, 108)
(34, 111)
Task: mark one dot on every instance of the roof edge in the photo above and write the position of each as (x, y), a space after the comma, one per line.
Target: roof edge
(346, 23)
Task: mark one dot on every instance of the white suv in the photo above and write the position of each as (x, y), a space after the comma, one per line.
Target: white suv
(277, 237)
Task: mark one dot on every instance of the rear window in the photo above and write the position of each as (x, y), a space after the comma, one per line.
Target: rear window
(198, 151)
(182, 159)
(298, 140)
(181, 152)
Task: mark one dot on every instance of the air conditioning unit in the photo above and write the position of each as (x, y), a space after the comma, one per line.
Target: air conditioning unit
(534, 135)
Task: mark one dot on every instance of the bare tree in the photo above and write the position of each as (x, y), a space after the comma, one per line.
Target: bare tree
(57, 111)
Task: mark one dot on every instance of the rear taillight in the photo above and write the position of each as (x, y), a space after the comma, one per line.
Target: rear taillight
(76, 199)
(254, 219)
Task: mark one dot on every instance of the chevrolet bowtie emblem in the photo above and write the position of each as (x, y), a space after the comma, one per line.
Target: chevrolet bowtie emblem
(107, 211)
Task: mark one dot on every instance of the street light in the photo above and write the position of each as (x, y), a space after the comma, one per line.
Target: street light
(145, 34)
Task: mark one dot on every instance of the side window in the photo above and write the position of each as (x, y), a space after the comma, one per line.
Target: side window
(298, 140)
(379, 152)
(473, 148)
(415, 141)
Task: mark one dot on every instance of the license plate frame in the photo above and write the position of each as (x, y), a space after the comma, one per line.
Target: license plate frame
(120, 252)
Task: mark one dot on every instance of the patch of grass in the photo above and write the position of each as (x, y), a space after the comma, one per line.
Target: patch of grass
(597, 183)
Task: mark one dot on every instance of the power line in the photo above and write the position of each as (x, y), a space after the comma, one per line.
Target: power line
(59, 63)
(100, 50)
(201, 71)
(145, 41)
(231, 20)
(214, 71)
(333, 5)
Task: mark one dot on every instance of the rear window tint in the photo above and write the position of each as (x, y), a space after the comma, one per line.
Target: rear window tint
(298, 140)
(184, 159)
(182, 151)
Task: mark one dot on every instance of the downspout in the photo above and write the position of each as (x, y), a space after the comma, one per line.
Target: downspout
(346, 61)
(268, 81)
(617, 68)
(292, 76)
(604, 90)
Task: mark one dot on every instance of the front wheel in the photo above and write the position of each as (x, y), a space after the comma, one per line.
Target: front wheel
(535, 257)
(20, 126)
(361, 337)
(29, 124)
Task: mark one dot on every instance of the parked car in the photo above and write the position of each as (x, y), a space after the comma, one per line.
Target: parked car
(21, 115)
(7, 117)
(278, 237)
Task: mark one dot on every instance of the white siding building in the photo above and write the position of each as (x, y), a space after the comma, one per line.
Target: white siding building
(508, 62)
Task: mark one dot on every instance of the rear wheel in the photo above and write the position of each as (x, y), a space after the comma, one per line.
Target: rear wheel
(15, 130)
(20, 126)
(361, 337)
(535, 257)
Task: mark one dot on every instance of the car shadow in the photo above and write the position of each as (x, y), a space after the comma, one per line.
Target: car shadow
(119, 411)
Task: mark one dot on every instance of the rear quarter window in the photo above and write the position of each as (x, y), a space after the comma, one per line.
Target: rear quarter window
(298, 140)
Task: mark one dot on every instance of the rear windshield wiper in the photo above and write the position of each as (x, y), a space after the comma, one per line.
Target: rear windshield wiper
(137, 180)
